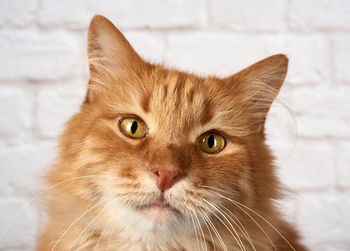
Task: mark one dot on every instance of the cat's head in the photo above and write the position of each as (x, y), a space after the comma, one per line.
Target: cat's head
(162, 150)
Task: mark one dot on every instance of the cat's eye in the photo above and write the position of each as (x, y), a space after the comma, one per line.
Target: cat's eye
(211, 142)
(133, 127)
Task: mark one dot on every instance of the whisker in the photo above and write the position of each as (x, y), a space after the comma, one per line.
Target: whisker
(87, 226)
(110, 237)
(243, 231)
(240, 205)
(99, 239)
(209, 230)
(239, 242)
(42, 193)
(270, 224)
(86, 243)
(221, 190)
(200, 228)
(240, 226)
(215, 230)
(194, 225)
(262, 230)
(259, 226)
(75, 221)
(90, 235)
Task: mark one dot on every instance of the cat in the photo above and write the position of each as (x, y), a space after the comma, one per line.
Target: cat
(159, 159)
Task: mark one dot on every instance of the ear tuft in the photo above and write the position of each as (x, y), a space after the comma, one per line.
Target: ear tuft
(270, 71)
(111, 57)
(276, 70)
(257, 86)
(100, 33)
(105, 40)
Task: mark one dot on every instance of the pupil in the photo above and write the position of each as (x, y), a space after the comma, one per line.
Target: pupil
(133, 127)
(211, 141)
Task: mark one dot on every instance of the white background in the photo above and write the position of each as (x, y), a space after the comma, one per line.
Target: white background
(43, 76)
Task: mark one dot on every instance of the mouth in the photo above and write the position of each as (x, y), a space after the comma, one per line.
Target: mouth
(159, 210)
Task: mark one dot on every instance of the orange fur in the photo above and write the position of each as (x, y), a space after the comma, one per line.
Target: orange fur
(102, 178)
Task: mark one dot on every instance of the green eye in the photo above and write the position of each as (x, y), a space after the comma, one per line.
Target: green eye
(133, 128)
(211, 142)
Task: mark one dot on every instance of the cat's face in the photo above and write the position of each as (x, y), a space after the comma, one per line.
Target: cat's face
(161, 146)
(162, 177)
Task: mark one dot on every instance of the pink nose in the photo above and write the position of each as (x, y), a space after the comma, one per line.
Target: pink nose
(166, 177)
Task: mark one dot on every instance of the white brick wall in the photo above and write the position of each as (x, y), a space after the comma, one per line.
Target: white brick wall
(43, 76)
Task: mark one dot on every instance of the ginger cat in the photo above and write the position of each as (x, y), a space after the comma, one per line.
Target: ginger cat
(158, 159)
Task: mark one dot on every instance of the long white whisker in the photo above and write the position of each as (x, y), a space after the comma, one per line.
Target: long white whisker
(99, 239)
(194, 226)
(209, 230)
(215, 230)
(233, 201)
(220, 190)
(42, 193)
(200, 228)
(110, 237)
(239, 242)
(240, 226)
(259, 226)
(87, 226)
(272, 226)
(75, 221)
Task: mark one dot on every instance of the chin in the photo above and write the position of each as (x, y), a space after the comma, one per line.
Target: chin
(150, 223)
(160, 215)
(159, 212)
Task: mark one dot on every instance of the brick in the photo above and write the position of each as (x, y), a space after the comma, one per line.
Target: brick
(38, 55)
(321, 111)
(125, 14)
(224, 54)
(308, 62)
(310, 165)
(17, 13)
(56, 104)
(22, 169)
(333, 246)
(319, 15)
(280, 126)
(64, 13)
(342, 167)
(248, 15)
(154, 13)
(213, 52)
(341, 49)
(17, 113)
(325, 101)
(323, 217)
(323, 126)
(22, 232)
(150, 46)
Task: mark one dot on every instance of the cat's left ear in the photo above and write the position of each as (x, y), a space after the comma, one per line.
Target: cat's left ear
(258, 85)
(107, 43)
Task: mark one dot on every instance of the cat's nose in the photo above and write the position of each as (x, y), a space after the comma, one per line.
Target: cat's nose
(165, 178)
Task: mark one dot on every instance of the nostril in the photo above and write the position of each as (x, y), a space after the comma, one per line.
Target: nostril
(155, 171)
(165, 177)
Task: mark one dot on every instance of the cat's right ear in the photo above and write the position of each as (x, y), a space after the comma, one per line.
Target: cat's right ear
(109, 52)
